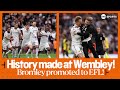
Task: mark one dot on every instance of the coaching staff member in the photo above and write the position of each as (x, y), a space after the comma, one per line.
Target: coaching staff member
(87, 32)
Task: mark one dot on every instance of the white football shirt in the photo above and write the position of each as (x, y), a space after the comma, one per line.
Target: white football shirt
(34, 31)
(76, 39)
(15, 33)
(26, 34)
(44, 38)
(8, 35)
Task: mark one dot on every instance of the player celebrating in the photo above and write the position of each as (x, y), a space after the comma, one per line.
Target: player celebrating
(26, 43)
(6, 42)
(15, 32)
(76, 38)
(33, 37)
(44, 42)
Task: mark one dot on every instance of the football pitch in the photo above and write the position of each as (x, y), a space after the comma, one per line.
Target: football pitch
(53, 55)
(71, 56)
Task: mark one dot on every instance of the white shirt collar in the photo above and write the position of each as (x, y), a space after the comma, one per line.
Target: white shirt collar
(76, 25)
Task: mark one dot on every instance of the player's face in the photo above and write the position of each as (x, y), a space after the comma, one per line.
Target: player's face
(34, 24)
(63, 36)
(47, 28)
(98, 30)
(12, 39)
(8, 30)
(16, 26)
(27, 27)
(79, 22)
(87, 22)
(43, 28)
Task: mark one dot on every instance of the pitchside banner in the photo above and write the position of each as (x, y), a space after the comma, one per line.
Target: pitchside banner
(59, 45)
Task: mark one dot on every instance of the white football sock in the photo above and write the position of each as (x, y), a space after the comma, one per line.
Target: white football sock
(49, 56)
(13, 53)
(28, 53)
(37, 52)
(8, 51)
(16, 52)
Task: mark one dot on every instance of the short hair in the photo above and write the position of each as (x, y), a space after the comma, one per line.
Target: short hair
(89, 19)
(77, 18)
(98, 27)
(7, 28)
(27, 24)
(34, 21)
(15, 23)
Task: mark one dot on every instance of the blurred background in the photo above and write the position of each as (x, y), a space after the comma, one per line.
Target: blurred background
(108, 26)
(42, 19)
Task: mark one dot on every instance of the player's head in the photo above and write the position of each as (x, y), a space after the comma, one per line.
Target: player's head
(78, 20)
(8, 29)
(11, 38)
(98, 29)
(16, 25)
(42, 28)
(88, 20)
(64, 36)
(27, 26)
(34, 23)
(48, 27)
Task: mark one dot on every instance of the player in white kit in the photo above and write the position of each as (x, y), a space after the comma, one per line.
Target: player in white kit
(6, 43)
(34, 37)
(26, 33)
(76, 39)
(15, 32)
(44, 41)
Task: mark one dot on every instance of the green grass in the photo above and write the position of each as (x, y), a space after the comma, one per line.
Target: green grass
(40, 55)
